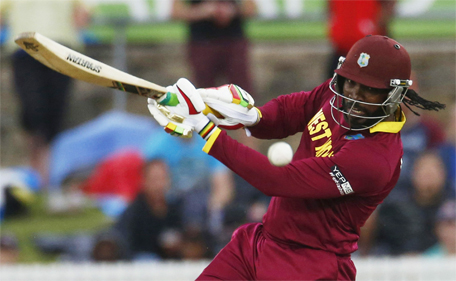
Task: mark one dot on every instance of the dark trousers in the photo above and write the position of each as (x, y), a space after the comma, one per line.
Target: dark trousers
(226, 59)
(43, 95)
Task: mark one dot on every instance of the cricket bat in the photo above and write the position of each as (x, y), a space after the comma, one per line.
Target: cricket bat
(81, 67)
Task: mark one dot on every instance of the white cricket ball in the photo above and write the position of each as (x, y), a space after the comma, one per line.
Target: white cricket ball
(280, 154)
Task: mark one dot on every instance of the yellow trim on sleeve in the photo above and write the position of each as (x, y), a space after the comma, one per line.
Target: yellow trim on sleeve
(260, 115)
(210, 142)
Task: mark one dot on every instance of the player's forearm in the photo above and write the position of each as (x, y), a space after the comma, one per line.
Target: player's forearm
(269, 127)
(275, 122)
(307, 179)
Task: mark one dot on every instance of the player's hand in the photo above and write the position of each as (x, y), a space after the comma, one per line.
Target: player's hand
(172, 123)
(233, 107)
(183, 112)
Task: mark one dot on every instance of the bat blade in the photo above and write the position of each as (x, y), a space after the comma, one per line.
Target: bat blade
(81, 67)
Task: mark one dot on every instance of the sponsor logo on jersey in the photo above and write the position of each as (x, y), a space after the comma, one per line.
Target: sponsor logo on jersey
(363, 60)
(319, 131)
(341, 182)
(354, 137)
(84, 63)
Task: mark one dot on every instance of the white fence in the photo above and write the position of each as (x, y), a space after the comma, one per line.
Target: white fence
(394, 269)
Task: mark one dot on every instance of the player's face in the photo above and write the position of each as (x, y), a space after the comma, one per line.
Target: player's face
(362, 93)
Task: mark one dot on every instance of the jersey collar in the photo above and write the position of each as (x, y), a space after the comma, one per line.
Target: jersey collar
(390, 126)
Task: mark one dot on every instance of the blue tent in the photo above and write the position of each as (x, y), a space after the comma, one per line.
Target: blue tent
(83, 147)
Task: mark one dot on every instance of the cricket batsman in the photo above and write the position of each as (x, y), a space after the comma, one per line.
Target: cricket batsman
(347, 162)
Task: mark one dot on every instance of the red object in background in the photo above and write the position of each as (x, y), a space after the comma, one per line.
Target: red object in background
(352, 20)
(436, 133)
(120, 174)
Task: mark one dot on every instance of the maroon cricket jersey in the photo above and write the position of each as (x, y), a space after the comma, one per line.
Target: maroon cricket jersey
(335, 181)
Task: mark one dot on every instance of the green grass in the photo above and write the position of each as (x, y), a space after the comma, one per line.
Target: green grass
(39, 221)
(175, 32)
(311, 26)
(416, 29)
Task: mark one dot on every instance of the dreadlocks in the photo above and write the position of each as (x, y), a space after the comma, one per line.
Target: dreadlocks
(413, 99)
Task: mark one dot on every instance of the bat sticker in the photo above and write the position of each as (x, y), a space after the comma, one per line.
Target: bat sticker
(84, 63)
(31, 46)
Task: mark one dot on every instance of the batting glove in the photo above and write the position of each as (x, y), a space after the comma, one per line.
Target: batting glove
(183, 112)
(233, 107)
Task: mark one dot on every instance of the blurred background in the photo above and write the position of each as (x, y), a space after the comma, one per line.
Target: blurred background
(83, 192)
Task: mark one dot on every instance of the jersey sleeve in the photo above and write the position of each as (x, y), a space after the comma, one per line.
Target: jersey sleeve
(288, 114)
(347, 172)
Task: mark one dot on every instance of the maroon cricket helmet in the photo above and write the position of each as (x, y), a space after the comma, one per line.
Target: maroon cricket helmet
(374, 60)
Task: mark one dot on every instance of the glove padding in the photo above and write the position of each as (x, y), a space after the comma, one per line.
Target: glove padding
(185, 115)
(233, 107)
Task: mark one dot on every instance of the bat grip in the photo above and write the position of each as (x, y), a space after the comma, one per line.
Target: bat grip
(168, 99)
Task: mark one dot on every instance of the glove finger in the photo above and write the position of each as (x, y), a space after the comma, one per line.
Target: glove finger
(221, 94)
(188, 95)
(181, 131)
(248, 98)
(151, 101)
(207, 110)
(158, 116)
(232, 112)
(239, 95)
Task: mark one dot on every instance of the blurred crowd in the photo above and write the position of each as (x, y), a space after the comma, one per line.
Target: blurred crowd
(168, 200)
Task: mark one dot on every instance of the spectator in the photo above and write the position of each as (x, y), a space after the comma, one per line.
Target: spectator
(9, 249)
(43, 93)
(445, 229)
(71, 247)
(195, 246)
(17, 188)
(448, 151)
(109, 246)
(203, 185)
(115, 181)
(150, 220)
(149, 228)
(350, 21)
(217, 44)
(420, 133)
(414, 217)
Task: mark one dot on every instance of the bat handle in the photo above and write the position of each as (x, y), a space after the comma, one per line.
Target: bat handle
(168, 99)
